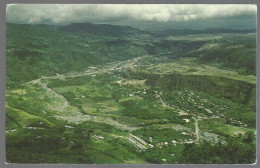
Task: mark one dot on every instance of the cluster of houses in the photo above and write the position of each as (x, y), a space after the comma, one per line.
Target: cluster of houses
(97, 137)
(138, 92)
(174, 142)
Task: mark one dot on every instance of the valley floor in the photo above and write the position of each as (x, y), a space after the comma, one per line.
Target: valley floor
(125, 112)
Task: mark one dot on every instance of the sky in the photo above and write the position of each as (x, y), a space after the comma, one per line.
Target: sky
(144, 16)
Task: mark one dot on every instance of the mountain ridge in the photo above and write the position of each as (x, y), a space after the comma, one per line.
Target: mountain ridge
(119, 30)
(102, 29)
(168, 32)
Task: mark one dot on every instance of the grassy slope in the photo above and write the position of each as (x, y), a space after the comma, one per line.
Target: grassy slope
(188, 66)
(47, 51)
(25, 119)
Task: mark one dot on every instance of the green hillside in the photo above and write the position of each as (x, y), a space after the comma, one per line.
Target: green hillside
(88, 93)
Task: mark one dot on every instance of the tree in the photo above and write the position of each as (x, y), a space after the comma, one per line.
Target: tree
(89, 133)
(249, 137)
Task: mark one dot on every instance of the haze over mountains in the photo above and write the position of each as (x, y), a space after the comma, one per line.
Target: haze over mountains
(116, 30)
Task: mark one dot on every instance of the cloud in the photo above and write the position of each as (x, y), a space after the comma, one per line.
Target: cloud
(68, 13)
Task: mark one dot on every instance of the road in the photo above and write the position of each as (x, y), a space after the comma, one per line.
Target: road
(196, 129)
(196, 124)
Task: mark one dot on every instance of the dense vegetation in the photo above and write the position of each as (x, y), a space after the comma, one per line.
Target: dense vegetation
(238, 150)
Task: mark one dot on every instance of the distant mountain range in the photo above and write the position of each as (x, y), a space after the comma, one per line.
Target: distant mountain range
(102, 29)
(177, 32)
(117, 31)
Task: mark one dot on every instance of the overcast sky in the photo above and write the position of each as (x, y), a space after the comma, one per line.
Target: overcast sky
(61, 14)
